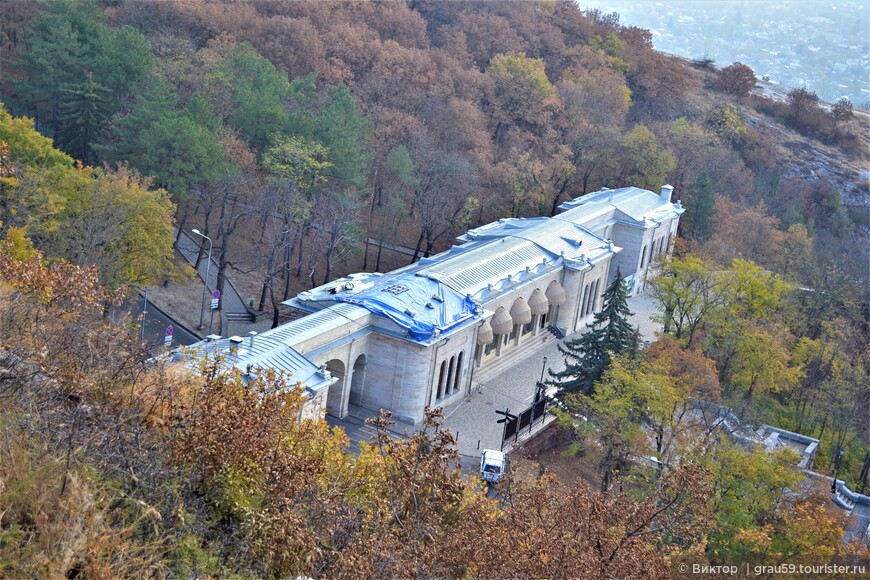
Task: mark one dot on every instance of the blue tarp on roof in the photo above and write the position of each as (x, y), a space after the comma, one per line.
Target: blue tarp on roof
(416, 303)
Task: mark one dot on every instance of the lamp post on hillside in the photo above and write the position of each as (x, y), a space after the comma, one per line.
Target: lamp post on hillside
(205, 281)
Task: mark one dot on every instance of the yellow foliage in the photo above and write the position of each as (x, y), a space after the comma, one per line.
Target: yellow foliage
(18, 246)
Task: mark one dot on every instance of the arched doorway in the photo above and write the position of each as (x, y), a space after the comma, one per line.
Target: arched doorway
(334, 395)
(357, 381)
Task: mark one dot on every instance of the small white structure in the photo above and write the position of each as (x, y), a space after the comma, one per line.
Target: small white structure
(492, 465)
(416, 337)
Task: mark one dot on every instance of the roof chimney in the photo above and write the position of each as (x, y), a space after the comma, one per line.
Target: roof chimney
(253, 333)
(667, 190)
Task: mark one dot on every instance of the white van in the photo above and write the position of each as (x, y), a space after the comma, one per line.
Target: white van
(492, 465)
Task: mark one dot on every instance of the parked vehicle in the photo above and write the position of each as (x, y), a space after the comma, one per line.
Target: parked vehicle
(492, 465)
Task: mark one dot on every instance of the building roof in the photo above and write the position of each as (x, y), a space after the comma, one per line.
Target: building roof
(330, 317)
(484, 267)
(496, 256)
(626, 204)
(268, 351)
(423, 306)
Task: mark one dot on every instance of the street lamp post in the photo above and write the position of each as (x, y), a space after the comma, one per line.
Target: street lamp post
(539, 391)
(205, 281)
(144, 312)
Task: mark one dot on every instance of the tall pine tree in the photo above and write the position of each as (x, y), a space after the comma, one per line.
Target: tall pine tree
(82, 114)
(697, 224)
(610, 334)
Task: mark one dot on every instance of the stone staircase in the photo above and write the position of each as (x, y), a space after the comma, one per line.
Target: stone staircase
(241, 316)
(556, 331)
(844, 502)
(848, 499)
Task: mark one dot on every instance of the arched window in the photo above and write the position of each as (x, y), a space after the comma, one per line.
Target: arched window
(440, 391)
(458, 372)
(587, 303)
(501, 323)
(590, 299)
(485, 342)
(643, 257)
(555, 296)
(336, 391)
(358, 382)
(595, 295)
(528, 328)
(490, 346)
(449, 383)
(515, 332)
(540, 305)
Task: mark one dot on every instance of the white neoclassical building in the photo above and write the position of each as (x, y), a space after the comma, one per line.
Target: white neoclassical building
(418, 336)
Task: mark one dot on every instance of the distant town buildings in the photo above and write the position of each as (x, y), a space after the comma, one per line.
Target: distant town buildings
(823, 47)
(416, 337)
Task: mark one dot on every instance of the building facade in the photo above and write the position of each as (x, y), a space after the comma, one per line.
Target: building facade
(421, 335)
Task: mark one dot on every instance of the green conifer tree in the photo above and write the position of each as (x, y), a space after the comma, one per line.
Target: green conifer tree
(176, 147)
(155, 101)
(610, 334)
(82, 114)
(344, 129)
(697, 224)
(74, 72)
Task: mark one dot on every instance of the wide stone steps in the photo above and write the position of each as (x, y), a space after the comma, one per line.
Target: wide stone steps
(240, 317)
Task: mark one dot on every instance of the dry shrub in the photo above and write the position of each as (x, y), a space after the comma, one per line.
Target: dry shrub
(56, 522)
(80, 463)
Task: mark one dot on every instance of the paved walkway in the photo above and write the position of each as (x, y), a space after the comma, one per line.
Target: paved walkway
(859, 524)
(231, 301)
(155, 323)
(474, 419)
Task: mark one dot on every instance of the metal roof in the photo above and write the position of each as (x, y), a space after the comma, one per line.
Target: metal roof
(268, 352)
(272, 348)
(628, 203)
(422, 305)
(316, 323)
(490, 263)
(518, 248)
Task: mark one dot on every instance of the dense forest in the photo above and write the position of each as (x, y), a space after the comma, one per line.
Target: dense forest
(289, 132)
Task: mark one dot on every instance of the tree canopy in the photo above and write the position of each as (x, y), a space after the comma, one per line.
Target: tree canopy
(112, 219)
(78, 72)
